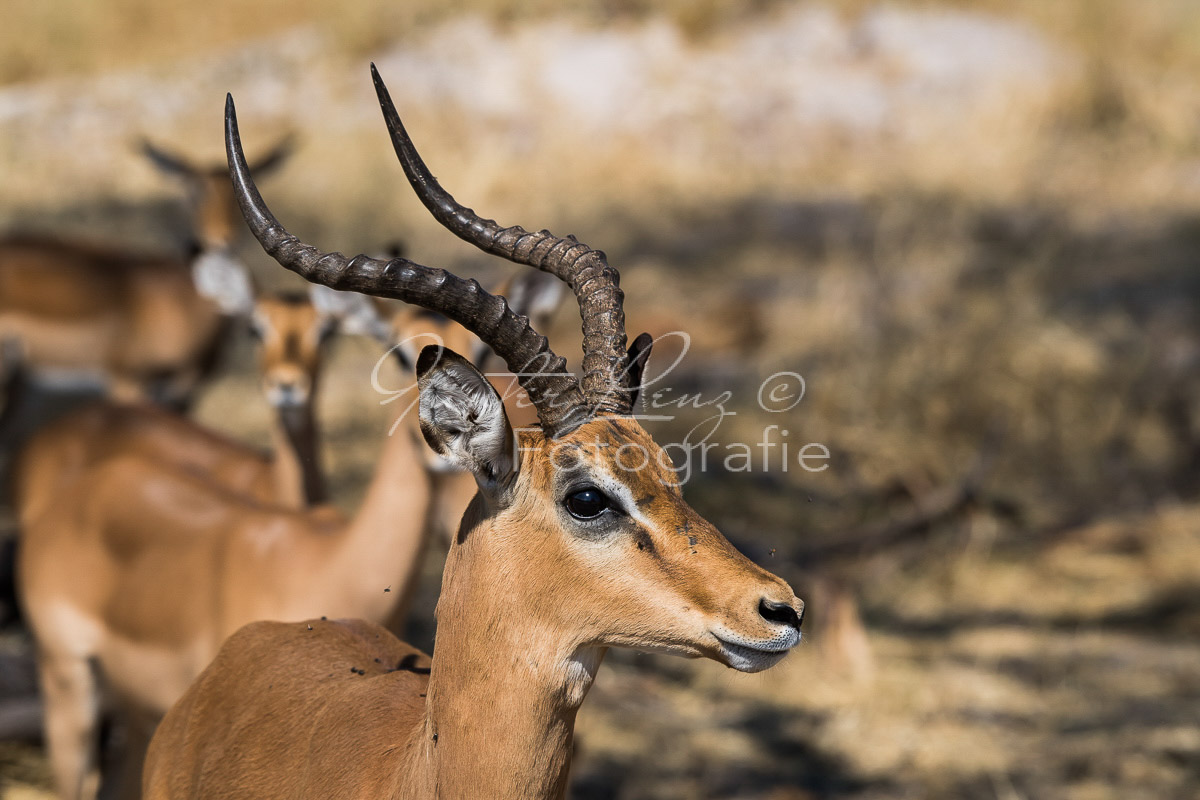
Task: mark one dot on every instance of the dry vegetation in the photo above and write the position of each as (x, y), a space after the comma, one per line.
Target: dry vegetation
(1008, 315)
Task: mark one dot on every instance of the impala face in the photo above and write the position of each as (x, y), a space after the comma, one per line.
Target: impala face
(214, 210)
(292, 333)
(593, 526)
(662, 577)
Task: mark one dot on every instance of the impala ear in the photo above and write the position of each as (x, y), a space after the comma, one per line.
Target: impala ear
(639, 355)
(224, 281)
(168, 162)
(463, 419)
(274, 158)
(355, 313)
(536, 295)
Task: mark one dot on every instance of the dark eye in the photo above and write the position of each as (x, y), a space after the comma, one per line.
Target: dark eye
(587, 503)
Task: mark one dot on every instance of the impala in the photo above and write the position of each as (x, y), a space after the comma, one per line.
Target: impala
(135, 567)
(566, 550)
(147, 326)
(292, 330)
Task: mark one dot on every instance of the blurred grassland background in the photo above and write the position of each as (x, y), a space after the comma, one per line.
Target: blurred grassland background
(974, 227)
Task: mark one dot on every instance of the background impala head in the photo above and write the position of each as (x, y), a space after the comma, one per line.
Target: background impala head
(583, 513)
(292, 330)
(211, 208)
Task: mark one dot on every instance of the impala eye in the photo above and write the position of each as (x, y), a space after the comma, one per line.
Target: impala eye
(587, 503)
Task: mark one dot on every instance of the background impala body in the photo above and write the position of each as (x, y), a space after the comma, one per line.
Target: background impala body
(136, 322)
(149, 326)
(292, 331)
(565, 551)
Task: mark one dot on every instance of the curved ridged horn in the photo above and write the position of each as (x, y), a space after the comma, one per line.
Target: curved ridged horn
(596, 285)
(556, 395)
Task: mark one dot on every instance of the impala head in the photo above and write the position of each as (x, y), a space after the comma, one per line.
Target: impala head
(292, 329)
(595, 524)
(211, 205)
(582, 513)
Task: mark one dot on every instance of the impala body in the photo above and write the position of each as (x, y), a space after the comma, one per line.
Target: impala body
(292, 331)
(566, 550)
(148, 326)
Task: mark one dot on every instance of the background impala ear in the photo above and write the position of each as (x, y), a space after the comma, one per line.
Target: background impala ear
(463, 418)
(639, 355)
(275, 157)
(168, 162)
(356, 314)
(536, 295)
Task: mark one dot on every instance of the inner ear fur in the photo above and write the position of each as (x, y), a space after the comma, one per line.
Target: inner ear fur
(463, 419)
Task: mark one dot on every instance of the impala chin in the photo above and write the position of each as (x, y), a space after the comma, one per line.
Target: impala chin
(754, 655)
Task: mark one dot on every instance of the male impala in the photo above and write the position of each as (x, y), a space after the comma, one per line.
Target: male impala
(148, 326)
(135, 569)
(578, 540)
(292, 330)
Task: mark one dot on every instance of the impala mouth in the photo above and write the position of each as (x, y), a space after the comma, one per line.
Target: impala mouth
(746, 656)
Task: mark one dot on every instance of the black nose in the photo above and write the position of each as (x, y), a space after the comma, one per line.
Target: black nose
(780, 613)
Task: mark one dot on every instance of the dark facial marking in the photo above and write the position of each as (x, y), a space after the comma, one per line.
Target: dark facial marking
(291, 346)
(644, 542)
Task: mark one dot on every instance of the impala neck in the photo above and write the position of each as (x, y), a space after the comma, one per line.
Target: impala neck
(296, 467)
(501, 684)
(382, 546)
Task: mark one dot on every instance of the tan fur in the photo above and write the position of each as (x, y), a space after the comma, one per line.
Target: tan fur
(528, 608)
(58, 454)
(126, 318)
